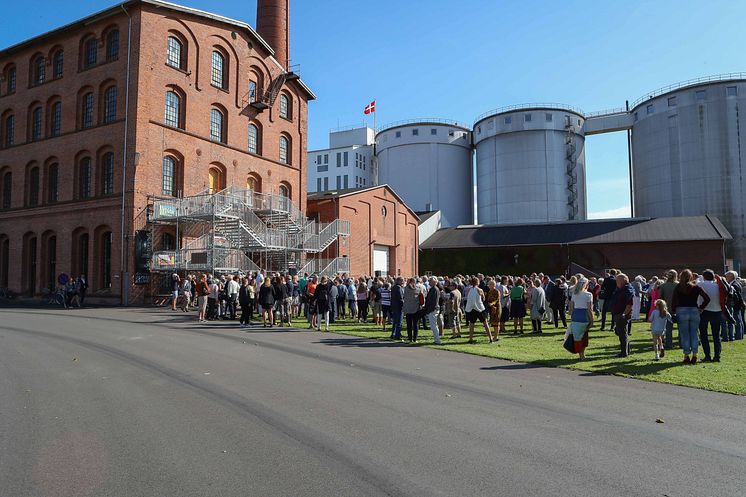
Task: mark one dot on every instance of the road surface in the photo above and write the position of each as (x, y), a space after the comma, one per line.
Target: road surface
(143, 402)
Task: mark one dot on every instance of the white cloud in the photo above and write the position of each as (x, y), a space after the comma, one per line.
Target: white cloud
(619, 212)
(608, 184)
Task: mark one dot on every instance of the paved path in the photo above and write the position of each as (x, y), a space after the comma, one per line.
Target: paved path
(150, 403)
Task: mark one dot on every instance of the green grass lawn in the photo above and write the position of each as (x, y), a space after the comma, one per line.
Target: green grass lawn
(546, 349)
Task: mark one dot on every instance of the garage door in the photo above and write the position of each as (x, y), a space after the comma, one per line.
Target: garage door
(381, 260)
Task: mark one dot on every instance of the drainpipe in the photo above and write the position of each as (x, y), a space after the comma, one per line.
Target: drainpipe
(124, 279)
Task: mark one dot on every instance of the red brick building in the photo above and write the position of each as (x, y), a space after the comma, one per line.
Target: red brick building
(145, 99)
(384, 231)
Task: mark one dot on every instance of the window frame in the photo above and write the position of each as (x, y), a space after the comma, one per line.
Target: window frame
(285, 150)
(110, 105)
(177, 49)
(90, 52)
(253, 139)
(214, 124)
(219, 57)
(85, 178)
(58, 64)
(107, 174)
(168, 164)
(53, 183)
(37, 124)
(112, 45)
(86, 113)
(55, 119)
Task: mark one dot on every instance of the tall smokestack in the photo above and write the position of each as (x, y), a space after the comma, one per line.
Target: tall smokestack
(273, 24)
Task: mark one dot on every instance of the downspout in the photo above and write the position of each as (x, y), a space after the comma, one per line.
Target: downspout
(124, 280)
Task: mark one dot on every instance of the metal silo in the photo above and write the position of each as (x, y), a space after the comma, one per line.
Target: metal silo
(428, 163)
(689, 154)
(530, 164)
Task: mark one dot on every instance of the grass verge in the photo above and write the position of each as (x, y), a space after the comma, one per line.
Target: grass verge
(728, 376)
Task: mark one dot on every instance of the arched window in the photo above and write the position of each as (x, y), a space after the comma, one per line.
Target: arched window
(10, 130)
(254, 183)
(29, 263)
(58, 64)
(33, 187)
(253, 97)
(216, 180)
(110, 104)
(36, 124)
(284, 150)
(55, 124)
(107, 174)
(285, 107)
(218, 74)
(39, 70)
(217, 125)
(53, 192)
(284, 190)
(105, 263)
(173, 109)
(10, 78)
(87, 111)
(85, 175)
(112, 45)
(90, 52)
(169, 176)
(174, 54)
(4, 260)
(253, 139)
(7, 189)
(80, 250)
(50, 247)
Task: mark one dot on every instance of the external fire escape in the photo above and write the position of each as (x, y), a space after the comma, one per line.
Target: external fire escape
(238, 230)
(571, 171)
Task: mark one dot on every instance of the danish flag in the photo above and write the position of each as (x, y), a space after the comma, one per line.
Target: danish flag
(370, 108)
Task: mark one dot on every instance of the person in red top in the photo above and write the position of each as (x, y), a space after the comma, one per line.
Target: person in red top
(313, 312)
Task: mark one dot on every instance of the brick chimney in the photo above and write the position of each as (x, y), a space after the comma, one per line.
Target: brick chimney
(273, 24)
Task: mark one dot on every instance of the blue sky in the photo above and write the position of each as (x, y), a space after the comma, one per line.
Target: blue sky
(456, 60)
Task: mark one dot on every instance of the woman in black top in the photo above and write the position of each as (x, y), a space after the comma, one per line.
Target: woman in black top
(245, 302)
(280, 291)
(267, 301)
(322, 301)
(685, 308)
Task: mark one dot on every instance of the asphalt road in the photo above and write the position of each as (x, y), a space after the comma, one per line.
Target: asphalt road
(142, 402)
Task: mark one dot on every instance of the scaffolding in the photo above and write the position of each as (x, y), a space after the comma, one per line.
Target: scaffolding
(239, 231)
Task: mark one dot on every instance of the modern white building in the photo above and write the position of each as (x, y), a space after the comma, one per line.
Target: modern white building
(347, 163)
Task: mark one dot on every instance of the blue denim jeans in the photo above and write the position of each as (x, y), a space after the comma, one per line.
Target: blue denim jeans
(733, 330)
(688, 320)
(713, 319)
(396, 324)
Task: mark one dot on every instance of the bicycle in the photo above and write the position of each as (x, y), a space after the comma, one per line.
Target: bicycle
(54, 297)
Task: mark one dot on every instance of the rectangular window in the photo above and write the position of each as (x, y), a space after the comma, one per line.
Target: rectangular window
(87, 120)
(326, 184)
(347, 183)
(415, 132)
(36, 125)
(701, 94)
(339, 159)
(11, 81)
(322, 168)
(347, 159)
(433, 131)
(339, 182)
(672, 101)
(326, 158)
(548, 117)
(56, 126)
(635, 116)
(527, 118)
(731, 91)
(85, 178)
(398, 134)
(650, 109)
(110, 105)
(318, 159)
(108, 174)
(508, 119)
(52, 182)
(318, 184)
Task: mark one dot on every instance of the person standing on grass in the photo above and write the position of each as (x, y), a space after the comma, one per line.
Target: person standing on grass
(362, 301)
(494, 306)
(323, 299)
(658, 319)
(267, 302)
(518, 305)
(414, 300)
(341, 299)
(621, 312)
(581, 315)
(245, 303)
(431, 309)
(476, 310)
(666, 292)
(504, 290)
(558, 302)
(736, 303)
(397, 305)
(538, 305)
(455, 308)
(385, 303)
(352, 298)
(712, 314)
(687, 309)
(313, 311)
(608, 287)
(333, 294)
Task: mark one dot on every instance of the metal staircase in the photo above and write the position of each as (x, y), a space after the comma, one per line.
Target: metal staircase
(269, 228)
(571, 171)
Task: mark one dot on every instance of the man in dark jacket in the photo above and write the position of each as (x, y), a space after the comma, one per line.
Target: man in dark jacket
(736, 303)
(431, 309)
(608, 287)
(558, 302)
(397, 303)
(620, 305)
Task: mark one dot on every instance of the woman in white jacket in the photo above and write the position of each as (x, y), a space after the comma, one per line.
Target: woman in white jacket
(476, 310)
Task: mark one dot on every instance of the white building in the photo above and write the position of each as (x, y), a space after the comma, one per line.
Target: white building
(347, 163)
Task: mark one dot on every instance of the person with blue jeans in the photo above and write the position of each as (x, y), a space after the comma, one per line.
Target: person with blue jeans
(712, 315)
(397, 303)
(686, 308)
(736, 305)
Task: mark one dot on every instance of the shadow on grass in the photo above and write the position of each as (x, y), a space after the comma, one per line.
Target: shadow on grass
(360, 342)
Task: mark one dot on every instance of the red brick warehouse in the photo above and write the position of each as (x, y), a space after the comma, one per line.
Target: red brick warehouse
(143, 99)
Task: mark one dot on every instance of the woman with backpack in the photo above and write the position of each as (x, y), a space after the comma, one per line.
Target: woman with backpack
(267, 302)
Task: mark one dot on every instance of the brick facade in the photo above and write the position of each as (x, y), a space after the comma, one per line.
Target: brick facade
(79, 221)
(371, 225)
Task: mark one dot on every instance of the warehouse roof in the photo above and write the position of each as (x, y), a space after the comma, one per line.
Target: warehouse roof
(346, 192)
(666, 229)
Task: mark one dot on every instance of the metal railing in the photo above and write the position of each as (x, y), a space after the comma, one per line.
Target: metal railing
(529, 106)
(691, 82)
(326, 267)
(607, 112)
(424, 121)
(206, 259)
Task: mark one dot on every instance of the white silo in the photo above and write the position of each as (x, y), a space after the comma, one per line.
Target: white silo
(689, 153)
(428, 163)
(530, 165)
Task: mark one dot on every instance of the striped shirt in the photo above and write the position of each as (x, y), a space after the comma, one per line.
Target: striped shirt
(386, 297)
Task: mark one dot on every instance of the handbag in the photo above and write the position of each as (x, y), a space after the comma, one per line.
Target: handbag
(569, 343)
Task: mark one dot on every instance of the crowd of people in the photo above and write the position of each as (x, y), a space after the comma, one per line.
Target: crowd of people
(703, 306)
